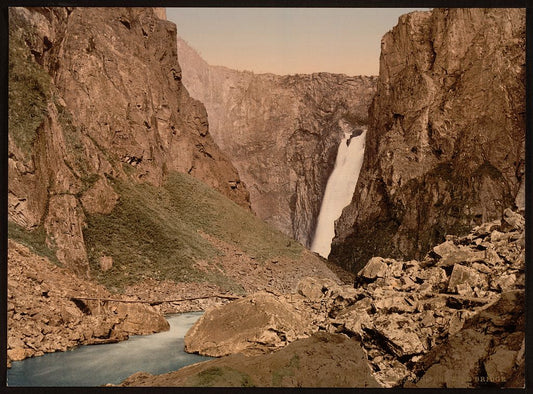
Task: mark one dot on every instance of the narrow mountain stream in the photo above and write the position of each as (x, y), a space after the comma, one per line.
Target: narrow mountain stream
(339, 189)
(98, 365)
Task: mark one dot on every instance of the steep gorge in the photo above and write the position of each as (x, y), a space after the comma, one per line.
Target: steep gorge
(445, 145)
(154, 227)
(281, 132)
(117, 189)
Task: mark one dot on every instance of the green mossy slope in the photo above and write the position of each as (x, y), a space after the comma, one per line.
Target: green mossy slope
(35, 240)
(154, 232)
(29, 91)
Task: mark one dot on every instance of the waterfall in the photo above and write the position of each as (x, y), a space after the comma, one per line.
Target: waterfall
(339, 189)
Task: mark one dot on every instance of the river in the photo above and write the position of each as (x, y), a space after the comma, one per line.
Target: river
(97, 365)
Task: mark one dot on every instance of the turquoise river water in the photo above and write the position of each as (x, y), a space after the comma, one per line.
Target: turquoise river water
(97, 365)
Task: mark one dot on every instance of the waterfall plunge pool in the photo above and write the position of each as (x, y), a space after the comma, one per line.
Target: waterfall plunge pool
(97, 365)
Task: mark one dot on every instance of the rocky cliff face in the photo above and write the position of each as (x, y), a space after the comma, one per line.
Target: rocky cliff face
(281, 132)
(97, 95)
(445, 144)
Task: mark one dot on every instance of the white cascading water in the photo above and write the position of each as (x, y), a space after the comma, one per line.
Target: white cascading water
(339, 190)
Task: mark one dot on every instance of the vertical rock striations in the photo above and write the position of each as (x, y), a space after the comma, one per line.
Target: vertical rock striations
(282, 132)
(445, 145)
(97, 94)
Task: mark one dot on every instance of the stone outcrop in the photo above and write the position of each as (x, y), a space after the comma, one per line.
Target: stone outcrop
(42, 316)
(255, 324)
(281, 132)
(445, 142)
(408, 314)
(97, 95)
(322, 360)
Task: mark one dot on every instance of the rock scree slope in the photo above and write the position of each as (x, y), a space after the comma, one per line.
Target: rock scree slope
(445, 147)
(453, 319)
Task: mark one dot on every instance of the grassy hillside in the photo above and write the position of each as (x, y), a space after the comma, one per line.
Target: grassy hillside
(35, 240)
(153, 232)
(29, 90)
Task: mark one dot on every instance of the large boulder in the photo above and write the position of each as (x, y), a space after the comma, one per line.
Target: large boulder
(315, 289)
(252, 325)
(462, 277)
(140, 319)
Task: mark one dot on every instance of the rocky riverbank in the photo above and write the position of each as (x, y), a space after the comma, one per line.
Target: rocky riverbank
(43, 317)
(411, 318)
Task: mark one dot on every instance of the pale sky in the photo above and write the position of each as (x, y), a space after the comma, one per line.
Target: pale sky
(288, 40)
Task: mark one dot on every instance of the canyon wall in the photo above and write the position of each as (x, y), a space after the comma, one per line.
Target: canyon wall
(96, 95)
(446, 139)
(281, 132)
